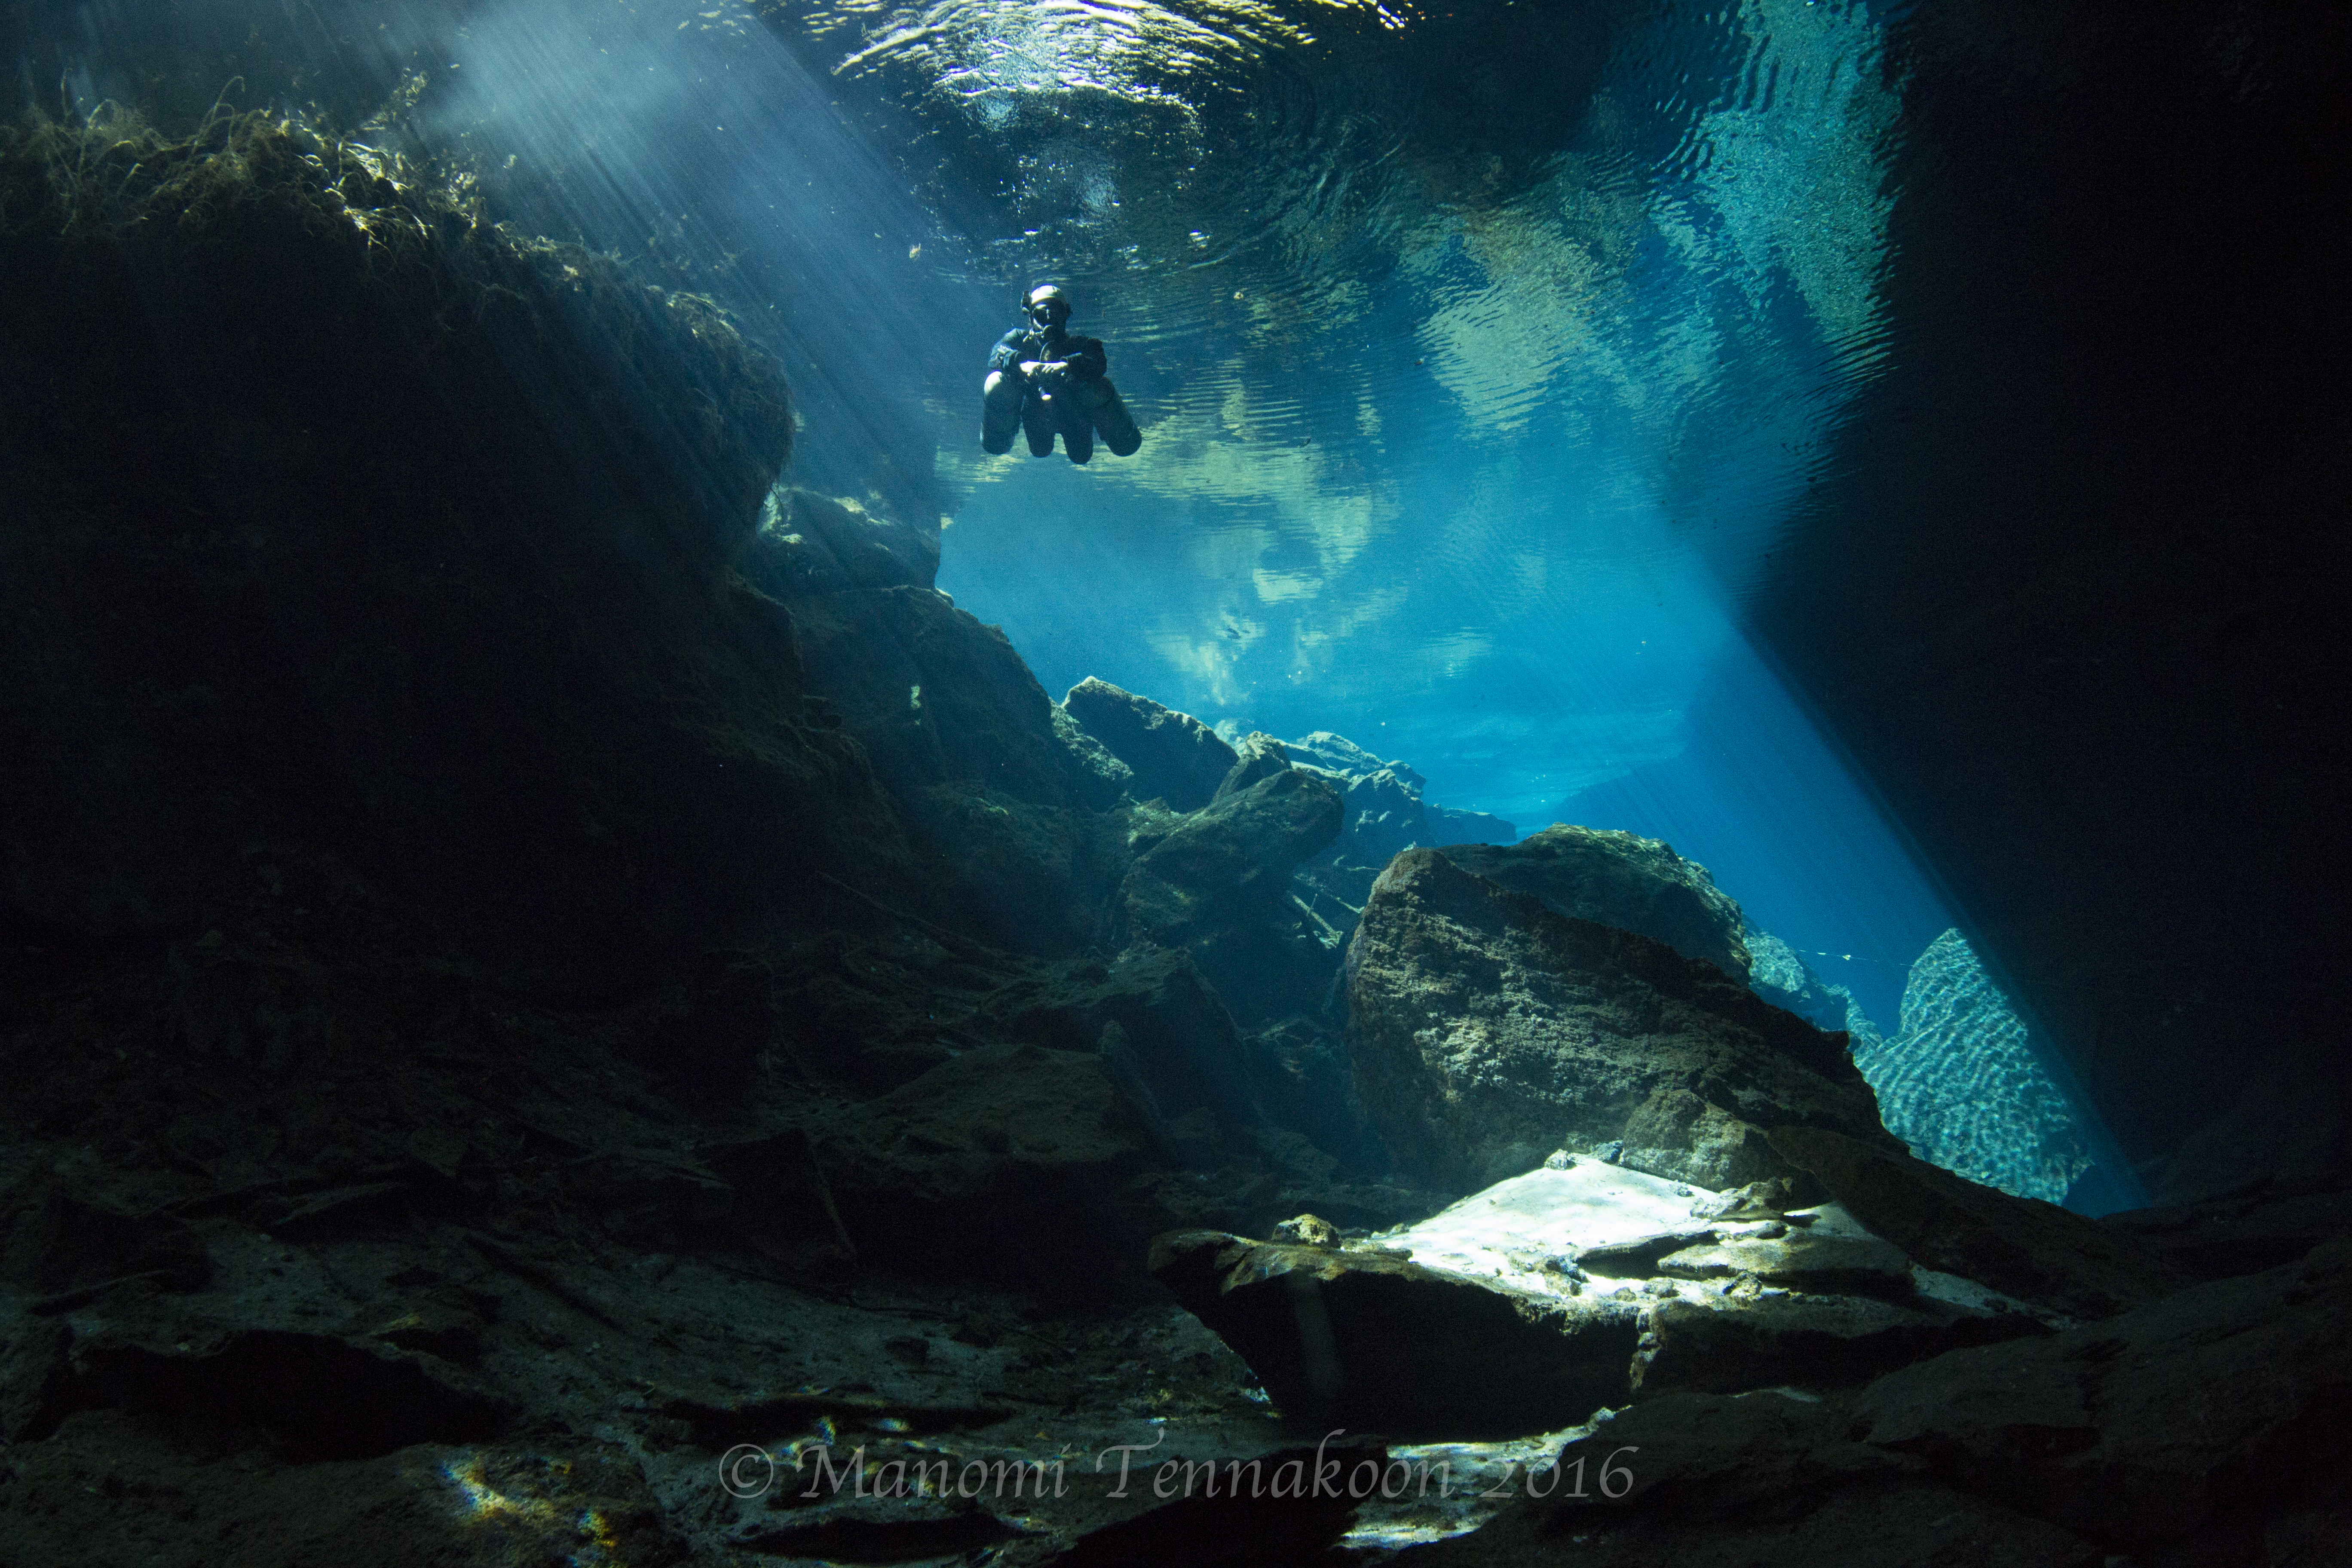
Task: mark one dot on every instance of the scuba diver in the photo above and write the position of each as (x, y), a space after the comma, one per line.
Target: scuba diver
(1045, 381)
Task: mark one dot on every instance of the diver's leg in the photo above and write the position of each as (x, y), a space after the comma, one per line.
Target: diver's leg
(1078, 430)
(1118, 426)
(1037, 422)
(999, 411)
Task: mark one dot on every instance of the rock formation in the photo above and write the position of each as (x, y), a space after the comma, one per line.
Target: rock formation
(1486, 1030)
(1622, 880)
(1174, 756)
(1785, 980)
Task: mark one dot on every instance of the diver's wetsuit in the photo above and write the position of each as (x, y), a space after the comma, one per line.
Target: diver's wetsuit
(1067, 393)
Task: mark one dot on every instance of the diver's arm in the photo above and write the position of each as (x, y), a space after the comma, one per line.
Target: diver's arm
(1085, 357)
(1007, 355)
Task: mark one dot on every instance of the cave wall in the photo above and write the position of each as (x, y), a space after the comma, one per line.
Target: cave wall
(2069, 587)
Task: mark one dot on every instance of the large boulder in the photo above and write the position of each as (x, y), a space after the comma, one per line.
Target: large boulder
(1452, 825)
(1367, 1339)
(1486, 1031)
(1230, 864)
(1174, 756)
(1620, 880)
(1219, 884)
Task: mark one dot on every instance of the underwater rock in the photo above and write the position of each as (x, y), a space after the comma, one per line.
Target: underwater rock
(2289, 1123)
(1096, 779)
(1219, 884)
(1231, 861)
(1174, 756)
(1840, 1309)
(998, 808)
(2140, 1430)
(983, 1161)
(1384, 811)
(837, 544)
(453, 606)
(1179, 1035)
(1634, 884)
(2265, 1225)
(1486, 1031)
(2032, 1250)
(1450, 824)
(2191, 1430)
(1961, 1084)
(1785, 980)
(1362, 1338)
(1259, 755)
(1732, 1341)
(1824, 1263)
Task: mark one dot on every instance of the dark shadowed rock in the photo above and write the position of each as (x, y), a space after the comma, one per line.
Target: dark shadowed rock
(965, 1167)
(2138, 1431)
(1179, 1037)
(1372, 1341)
(2269, 1223)
(2033, 1250)
(838, 544)
(1760, 1480)
(1619, 879)
(1451, 825)
(1487, 1031)
(1231, 861)
(1815, 1341)
(1219, 884)
(1096, 778)
(2203, 1428)
(1174, 756)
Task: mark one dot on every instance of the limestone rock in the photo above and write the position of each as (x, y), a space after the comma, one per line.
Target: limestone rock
(1727, 1343)
(1231, 860)
(1486, 1031)
(1824, 1264)
(837, 544)
(967, 1166)
(1179, 1035)
(2204, 1427)
(1787, 981)
(2033, 1250)
(1173, 755)
(1337, 754)
(1363, 1339)
(1260, 755)
(1960, 1081)
(1094, 776)
(1618, 879)
(2263, 1226)
(1451, 825)
(2138, 1430)
(1219, 885)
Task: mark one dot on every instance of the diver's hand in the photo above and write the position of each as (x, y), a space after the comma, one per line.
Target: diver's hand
(1030, 368)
